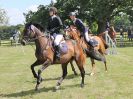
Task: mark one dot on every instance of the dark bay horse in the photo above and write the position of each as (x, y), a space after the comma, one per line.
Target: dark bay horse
(101, 48)
(45, 54)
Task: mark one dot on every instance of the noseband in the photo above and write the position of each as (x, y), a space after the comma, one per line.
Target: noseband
(30, 31)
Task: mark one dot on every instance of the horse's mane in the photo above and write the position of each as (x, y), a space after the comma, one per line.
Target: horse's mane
(37, 25)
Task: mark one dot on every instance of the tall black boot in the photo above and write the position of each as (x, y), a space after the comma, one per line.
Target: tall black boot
(57, 52)
(93, 43)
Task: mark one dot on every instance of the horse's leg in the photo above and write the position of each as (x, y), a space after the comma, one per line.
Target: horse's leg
(39, 78)
(93, 67)
(105, 63)
(64, 70)
(73, 69)
(82, 71)
(37, 62)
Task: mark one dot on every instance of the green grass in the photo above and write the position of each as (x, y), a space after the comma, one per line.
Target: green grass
(17, 82)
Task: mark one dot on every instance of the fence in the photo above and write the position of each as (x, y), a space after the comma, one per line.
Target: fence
(124, 41)
(8, 43)
(112, 45)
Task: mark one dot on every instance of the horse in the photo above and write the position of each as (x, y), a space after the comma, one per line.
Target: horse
(45, 54)
(15, 38)
(73, 33)
(111, 33)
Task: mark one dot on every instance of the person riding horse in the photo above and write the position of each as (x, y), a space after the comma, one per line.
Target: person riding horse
(83, 30)
(54, 26)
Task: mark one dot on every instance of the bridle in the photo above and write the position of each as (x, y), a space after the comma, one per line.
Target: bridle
(34, 37)
(30, 36)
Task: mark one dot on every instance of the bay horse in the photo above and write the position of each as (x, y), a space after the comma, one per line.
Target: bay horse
(111, 33)
(73, 33)
(45, 54)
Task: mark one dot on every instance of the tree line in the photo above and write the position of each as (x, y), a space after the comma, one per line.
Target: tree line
(94, 13)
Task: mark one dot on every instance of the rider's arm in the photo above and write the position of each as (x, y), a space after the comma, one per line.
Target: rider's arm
(81, 27)
(60, 24)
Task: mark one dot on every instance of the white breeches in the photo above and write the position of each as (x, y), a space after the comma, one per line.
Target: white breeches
(58, 39)
(87, 37)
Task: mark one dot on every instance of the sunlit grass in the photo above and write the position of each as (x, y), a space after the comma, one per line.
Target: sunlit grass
(17, 82)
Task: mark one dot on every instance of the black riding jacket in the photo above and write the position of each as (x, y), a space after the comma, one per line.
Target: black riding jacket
(55, 25)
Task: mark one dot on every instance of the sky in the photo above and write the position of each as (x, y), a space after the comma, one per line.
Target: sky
(16, 8)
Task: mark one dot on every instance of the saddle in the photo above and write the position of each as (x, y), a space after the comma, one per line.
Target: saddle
(63, 47)
(94, 42)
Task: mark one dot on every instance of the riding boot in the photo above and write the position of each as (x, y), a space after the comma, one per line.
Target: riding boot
(92, 43)
(57, 53)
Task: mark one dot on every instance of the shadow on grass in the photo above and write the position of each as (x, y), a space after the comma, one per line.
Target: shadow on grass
(57, 78)
(33, 92)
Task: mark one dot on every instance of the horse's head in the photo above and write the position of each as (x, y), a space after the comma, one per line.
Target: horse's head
(30, 32)
(73, 33)
(112, 32)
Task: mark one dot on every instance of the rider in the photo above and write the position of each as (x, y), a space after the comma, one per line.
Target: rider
(54, 26)
(83, 30)
(107, 26)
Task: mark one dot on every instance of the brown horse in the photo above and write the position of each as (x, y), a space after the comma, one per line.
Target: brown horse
(45, 54)
(101, 48)
(111, 33)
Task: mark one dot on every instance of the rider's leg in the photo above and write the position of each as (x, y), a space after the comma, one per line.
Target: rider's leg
(57, 41)
(89, 40)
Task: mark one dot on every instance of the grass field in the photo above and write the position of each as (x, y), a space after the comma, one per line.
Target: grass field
(17, 82)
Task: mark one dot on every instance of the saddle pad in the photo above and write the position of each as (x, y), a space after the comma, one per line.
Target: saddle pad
(95, 42)
(63, 47)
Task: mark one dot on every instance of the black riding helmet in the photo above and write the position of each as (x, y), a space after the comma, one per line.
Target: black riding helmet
(53, 9)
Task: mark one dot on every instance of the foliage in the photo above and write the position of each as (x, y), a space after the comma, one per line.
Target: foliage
(41, 16)
(3, 17)
(98, 11)
(122, 20)
(7, 31)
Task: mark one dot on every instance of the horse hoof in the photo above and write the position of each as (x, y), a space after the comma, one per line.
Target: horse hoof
(106, 71)
(91, 74)
(41, 80)
(82, 85)
(75, 73)
(36, 88)
(57, 87)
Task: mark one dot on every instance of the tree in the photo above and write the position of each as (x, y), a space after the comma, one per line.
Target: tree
(41, 16)
(95, 10)
(3, 17)
(7, 31)
(90, 11)
(121, 20)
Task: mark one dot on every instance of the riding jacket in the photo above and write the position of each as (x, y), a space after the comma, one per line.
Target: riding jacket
(80, 26)
(54, 25)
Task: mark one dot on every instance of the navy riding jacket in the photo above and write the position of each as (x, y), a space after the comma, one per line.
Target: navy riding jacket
(80, 26)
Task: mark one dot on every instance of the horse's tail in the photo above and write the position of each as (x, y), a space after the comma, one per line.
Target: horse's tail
(94, 54)
(105, 44)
